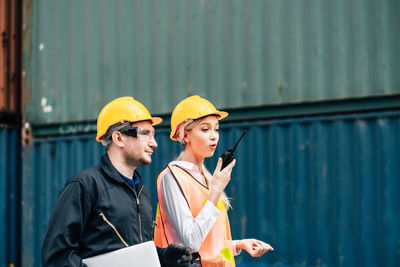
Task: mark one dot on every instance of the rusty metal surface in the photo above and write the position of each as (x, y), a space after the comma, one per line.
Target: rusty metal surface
(10, 55)
(3, 55)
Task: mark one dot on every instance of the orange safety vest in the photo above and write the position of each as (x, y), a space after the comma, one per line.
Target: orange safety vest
(216, 249)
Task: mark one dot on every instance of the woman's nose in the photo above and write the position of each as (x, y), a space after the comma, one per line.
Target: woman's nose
(214, 134)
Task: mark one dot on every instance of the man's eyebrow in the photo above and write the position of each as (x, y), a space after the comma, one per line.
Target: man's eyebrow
(147, 130)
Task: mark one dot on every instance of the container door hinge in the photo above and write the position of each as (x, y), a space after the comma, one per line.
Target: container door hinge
(27, 134)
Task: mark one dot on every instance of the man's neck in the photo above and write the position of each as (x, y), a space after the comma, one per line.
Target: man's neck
(119, 163)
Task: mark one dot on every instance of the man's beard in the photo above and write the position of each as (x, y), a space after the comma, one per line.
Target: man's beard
(135, 162)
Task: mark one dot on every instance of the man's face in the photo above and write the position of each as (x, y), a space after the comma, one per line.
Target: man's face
(138, 150)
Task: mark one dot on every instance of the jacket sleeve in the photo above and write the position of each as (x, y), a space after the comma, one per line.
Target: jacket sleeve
(65, 228)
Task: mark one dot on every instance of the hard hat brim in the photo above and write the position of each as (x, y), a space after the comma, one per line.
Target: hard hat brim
(220, 114)
(155, 120)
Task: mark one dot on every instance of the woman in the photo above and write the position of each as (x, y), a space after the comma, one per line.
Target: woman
(192, 204)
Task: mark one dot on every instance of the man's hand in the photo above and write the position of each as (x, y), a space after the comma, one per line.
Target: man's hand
(175, 255)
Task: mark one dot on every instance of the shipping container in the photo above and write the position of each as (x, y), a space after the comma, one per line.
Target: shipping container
(10, 195)
(323, 191)
(83, 54)
(10, 56)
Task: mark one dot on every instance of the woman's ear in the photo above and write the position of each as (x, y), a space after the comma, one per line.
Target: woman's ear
(185, 137)
(118, 139)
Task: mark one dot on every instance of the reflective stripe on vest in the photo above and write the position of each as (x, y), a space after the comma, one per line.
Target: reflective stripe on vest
(216, 249)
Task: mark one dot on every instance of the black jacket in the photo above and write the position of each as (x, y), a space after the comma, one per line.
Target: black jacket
(90, 206)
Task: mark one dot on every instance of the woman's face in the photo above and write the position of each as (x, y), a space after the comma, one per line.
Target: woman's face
(203, 138)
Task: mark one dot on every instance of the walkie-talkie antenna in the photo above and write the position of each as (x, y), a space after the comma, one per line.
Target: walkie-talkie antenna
(237, 142)
(228, 155)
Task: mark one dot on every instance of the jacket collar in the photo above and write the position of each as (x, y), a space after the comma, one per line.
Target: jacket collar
(112, 172)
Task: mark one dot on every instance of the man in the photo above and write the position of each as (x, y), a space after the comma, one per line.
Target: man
(107, 207)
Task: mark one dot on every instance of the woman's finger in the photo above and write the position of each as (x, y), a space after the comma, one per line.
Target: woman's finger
(263, 245)
(230, 167)
(254, 252)
(260, 252)
(260, 249)
(266, 246)
(219, 164)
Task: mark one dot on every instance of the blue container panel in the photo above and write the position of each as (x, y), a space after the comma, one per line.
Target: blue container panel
(322, 191)
(48, 164)
(9, 195)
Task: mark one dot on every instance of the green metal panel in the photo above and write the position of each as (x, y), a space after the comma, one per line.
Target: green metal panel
(236, 53)
(254, 113)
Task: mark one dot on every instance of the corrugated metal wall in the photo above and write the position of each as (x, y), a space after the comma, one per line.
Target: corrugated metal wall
(47, 165)
(10, 158)
(9, 55)
(323, 191)
(10, 134)
(237, 53)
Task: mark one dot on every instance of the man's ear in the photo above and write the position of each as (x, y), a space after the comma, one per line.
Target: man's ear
(118, 139)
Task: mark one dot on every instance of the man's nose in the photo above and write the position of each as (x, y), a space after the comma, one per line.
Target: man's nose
(153, 142)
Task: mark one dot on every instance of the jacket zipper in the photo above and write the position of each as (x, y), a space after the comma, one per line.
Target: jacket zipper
(138, 210)
(113, 227)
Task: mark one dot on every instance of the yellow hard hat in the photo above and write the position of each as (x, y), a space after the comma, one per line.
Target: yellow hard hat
(121, 110)
(193, 107)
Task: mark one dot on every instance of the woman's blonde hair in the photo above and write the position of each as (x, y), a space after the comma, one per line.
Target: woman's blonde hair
(188, 126)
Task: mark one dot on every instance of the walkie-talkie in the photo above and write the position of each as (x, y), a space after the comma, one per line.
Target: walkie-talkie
(228, 155)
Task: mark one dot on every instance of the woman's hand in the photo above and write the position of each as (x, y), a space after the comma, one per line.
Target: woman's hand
(254, 247)
(219, 180)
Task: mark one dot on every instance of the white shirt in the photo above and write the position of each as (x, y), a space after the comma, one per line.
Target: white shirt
(185, 229)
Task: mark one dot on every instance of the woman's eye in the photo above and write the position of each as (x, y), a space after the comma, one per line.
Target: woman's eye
(217, 130)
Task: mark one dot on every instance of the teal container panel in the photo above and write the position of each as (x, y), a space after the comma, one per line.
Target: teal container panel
(10, 177)
(238, 53)
(323, 191)
(47, 165)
